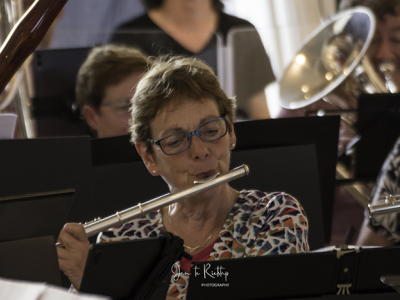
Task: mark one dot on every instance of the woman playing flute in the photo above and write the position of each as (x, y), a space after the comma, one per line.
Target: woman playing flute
(182, 127)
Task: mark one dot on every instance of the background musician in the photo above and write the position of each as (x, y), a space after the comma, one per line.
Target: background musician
(384, 48)
(182, 127)
(188, 27)
(384, 230)
(105, 83)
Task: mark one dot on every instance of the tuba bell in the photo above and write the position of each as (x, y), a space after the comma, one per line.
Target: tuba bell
(332, 65)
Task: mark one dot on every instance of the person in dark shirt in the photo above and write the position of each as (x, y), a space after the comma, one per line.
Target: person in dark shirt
(187, 28)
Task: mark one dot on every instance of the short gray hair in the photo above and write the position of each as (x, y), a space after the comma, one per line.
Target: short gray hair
(171, 79)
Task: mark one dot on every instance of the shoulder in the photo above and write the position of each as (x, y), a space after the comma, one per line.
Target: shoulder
(391, 167)
(231, 21)
(387, 182)
(259, 202)
(394, 155)
(228, 22)
(142, 21)
(270, 223)
(259, 209)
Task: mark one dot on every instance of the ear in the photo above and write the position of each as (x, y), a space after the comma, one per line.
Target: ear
(90, 115)
(147, 158)
(232, 140)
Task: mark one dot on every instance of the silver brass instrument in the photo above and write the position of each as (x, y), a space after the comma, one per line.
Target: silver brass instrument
(332, 65)
(391, 205)
(98, 225)
(334, 53)
(17, 90)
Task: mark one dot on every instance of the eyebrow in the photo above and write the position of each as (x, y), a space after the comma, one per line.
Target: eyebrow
(174, 130)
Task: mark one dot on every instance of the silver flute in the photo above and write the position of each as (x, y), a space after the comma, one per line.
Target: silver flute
(98, 225)
(391, 205)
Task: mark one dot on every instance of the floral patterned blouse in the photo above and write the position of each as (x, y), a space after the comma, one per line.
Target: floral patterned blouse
(258, 224)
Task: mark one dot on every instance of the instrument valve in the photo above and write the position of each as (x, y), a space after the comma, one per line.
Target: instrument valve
(389, 200)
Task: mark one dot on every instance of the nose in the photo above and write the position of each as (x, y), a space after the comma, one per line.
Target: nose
(198, 148)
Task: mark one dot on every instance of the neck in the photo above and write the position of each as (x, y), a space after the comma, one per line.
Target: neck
(205, 210)
(185, 13)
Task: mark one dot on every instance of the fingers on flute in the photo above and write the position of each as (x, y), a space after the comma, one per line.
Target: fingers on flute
(76, 230)
(75, 246)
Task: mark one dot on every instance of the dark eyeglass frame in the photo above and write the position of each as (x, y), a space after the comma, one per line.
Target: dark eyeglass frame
(196, 132)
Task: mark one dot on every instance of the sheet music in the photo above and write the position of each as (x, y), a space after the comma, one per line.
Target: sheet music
(7, 125)
(24, 290)
(10, 289)
(334, 248)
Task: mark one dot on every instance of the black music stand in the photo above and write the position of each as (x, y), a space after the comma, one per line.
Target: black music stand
(54, 105)
(49, 164)
(31, 224)
(136, 269)
(55, 71)
(265, 277)
(378, 128)
(321, 275)
(119, 177)
(374, 263)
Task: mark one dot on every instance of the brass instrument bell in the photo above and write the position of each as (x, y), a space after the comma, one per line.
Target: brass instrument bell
(330, 55)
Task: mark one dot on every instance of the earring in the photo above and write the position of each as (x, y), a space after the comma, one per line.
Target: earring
(154, 171)
(233, 145)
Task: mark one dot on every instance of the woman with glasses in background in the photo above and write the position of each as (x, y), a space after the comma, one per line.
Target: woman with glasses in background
(105, 84)
(182, 127)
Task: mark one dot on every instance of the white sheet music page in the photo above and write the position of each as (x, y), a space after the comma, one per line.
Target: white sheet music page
(53, 293)
(26, 290)
(13, 289)
(7, 126)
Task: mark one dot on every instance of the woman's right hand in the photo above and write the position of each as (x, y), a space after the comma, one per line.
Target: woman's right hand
(72, 258)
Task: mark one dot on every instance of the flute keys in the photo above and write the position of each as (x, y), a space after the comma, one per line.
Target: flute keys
(90, 222)
(390, 200)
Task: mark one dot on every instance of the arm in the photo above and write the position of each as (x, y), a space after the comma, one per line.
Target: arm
(72, 258)
(384, 229)
(367, 237)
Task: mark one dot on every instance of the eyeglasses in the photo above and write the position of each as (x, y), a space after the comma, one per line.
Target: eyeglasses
(179, 142)
(118, 106)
